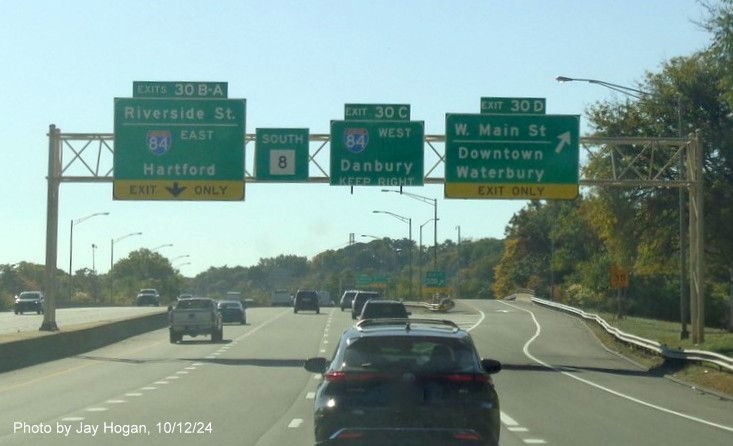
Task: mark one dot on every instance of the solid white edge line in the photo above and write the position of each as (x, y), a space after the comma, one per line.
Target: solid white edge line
(606, 389)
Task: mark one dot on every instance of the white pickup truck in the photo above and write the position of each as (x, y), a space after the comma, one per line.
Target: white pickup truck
(195, 316)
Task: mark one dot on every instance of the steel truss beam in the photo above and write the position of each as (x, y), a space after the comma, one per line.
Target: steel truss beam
(634, 162)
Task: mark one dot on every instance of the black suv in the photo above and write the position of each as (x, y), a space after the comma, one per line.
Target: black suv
(306, 300)
(406, 382)
(359, 300)
(384, 309)
(29, 301)
(346, 299)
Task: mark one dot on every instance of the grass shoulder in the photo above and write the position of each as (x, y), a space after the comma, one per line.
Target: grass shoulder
(702, 376)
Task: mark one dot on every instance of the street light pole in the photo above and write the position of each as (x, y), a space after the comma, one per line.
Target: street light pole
(112, 247)
(71, 247)
(458, 286)
(409, 224)
(94, 250)
(167, 245)
(419, 262)
(71, 236)
(112, 260)
(434, 203)
(179, 257)
(641, 94)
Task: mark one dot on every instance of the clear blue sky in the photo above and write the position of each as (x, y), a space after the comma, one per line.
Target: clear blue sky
(297, 63)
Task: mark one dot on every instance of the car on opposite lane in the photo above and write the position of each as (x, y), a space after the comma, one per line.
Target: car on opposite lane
(406, 382)
(29, 301)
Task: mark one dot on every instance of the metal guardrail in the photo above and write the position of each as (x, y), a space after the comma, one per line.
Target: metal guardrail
(722, 361)
(443, 306)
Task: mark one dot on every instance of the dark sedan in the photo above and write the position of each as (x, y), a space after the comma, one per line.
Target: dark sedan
(232, 311)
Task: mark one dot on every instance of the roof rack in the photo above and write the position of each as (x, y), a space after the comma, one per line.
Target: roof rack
(406, 322)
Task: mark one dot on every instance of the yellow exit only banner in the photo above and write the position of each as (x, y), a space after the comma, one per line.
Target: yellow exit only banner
(512, 191)
(183, 190)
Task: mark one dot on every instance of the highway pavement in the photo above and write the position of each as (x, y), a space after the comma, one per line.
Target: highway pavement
(559, 386)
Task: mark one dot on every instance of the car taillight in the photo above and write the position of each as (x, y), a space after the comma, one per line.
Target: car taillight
(467, 378)
(349, 435)
(351, 376)
(467, 436)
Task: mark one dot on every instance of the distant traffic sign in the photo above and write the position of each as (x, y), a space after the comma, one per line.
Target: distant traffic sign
(434, 279)
(179, 90)
(377, 112)
(619, 277)
(179, 149)
(281, 155)
(524, 106)
(377, 153)
(494, 156)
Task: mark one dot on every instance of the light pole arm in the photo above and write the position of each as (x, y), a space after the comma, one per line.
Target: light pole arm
(633, 92)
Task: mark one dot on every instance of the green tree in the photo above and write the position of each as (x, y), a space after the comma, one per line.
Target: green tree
(144, 269)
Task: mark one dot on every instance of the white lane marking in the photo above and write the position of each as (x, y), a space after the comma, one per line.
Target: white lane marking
(534, 441)
(325, 341)
(160, 382)
(518, 429)
(481, 319)
(197, 364)
(73, 419)
(96, 409)
(116, 401)
(190, 368)
(134, 394)
(172, 377)
(507, 420)
(310, 395)
(149, 388)
(603, 388)
(317, 376)
(296, 422)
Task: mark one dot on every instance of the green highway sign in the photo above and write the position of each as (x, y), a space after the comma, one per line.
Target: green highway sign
(179, 149)
(377, 153)
(281, 155)
(377, 112)
(366, 281)
(179, 90)
(524, 106)
(511, 156)
(434, 279)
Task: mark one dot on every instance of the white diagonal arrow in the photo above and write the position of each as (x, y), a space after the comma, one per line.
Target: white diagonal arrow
(564, 140)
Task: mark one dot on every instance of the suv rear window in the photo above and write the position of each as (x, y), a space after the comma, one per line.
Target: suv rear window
(194, 304)
(416, 354)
